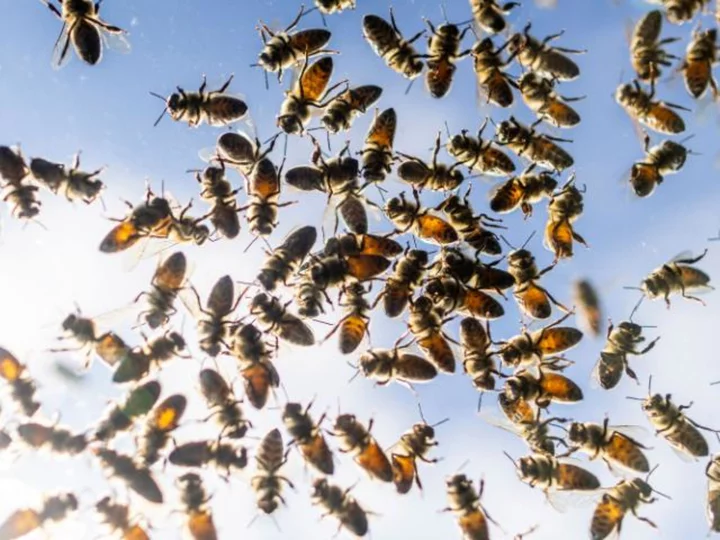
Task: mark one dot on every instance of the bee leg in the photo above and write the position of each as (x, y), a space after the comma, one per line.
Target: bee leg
(52, 8)
(549, 38)
(225, 86)
(646, 349)
(646, 520)
(570, 51)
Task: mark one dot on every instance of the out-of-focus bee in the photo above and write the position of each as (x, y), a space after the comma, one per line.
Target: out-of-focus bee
(414, 444)
(338, 502)
(199, 453)
(165, 347)
(137, 477)
(408, 273)
(676, 276)
(493, 84)
(522, 191)
(587, 301)
(367, 453)
(665, 158)
(58, 440)
(328, 7)
(310, 298)
(308, 437)
(218, 192)
(610, 443)
(117, 517)
(165, 419)
(540, 346)
(342, 111)
(640, 106)
(564, 208)
(412, 217)
(167, 282)
(132, 362)
(200, 522)
(220, 398)
(435, 176)
(5, 440)
(377, 153)
(534, 431)
(355, 324)
(464, 502)
(277, 320)
(267, 483)
(490, 16)
(388, 365)
(248, 346)
(540, 149)
(425, 324)
(83, 27)
(541, 58)
(533, 299)
(646, 49)
(626, 495)
(443, 50)
(215, 108)
(387, 41)
(621, 341)
(551, 475)
(368, 244)
(700, 58)
(712, 506)
(213, 320)
(682, 11)
(539, 95)
(478, 361)
(27, 520)
(542, 390)
(479, 155)
(450, 295)
(76, 184)
(470, 227)
(83, 333)
(22, 387)
(138, 402)
(286, 258)
(23, 200)
(13, 168)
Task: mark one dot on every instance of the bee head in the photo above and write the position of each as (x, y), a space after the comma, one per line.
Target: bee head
(486, 45)
(422, 304)
(320, 488)
(344, 422)
(413, 68)
(513, 389)
(70, 322)
(486, 382)
(643, 487)
(394, 206)
(517, 43)
(528, 467)
(177, 340)
(290, 124)
(635, 330)
(577, 432)
(506, 131)
(292, 410)
(259, 302)
(332, 120)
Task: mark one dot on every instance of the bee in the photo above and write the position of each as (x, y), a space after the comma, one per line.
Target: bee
(519, 411)
(546, 388)
(490, 16)
(388, 365)
(621, 341)
(479, 155)
(452, 262)
(435, 176)
(83, 332)
(425, 324)
(551, 475)
(328, 7)
(355, 324)
(640, 106)
(443, 52)
(564, 208)
(199, 453)
(168, 280)
(58, 440)
(310, 298)
(5, 440)
(540, 149)
(665, 158)
(337, 269)
(539, 95)
(308, 437)
(464, 502)
(117, 517)
(625, 495)
(534, 431)
(267, 484)
(471, 228)
(522, 191)
(132, 362)
(213, 320)
(46, 173)
(494, 85)
(478, 361)
(533, 299)
(647, 53)
(76, 184)
(83, 27)
(712, 471)
(277, 320)
(413, 445)
(449, 295)
(22, 522)
(22, 387)
(587, 300)
(342, 111)
(263, 188)
(367, 453)
(676, 276)
(542, 58)
(412, 217)
(165, 419)
(339, 503)
(681, 11)
(200, 522)
(248, 346)
(611, 444)
(287, 257)
(13, 168)
(368, 244)
(165, 347)
(22, 199)
(220, 398)
(387, 41)
(700, 58)
(217, 191)
(408, 274)
(138, 402)
(377, 153)
(137, 477)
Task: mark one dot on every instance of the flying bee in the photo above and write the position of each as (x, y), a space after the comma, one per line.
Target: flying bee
(263, 188)
(308, 437)
(676, 276)
(83, 27)
(519, 411)
(165, 347)
(551, 475)
(532, 299)
(452, 262)
(587, 300)
(388, 365)
(137, 403)
(425, 323)
(712, 506)
(413, 445)
(641, 107)
(355, 324)
(168, 280)
(310, 298)
(278, 321)
(387, 41)
(342, 111)
(493, 84)
(539, 95)
(534, 431)
(443, 52)
(200, 522)
(248, 346)
(700, 58)
(479, 155)
(216, 190)
(213, 320)
(626, 495)
(435, 176)
(22, 387)
(165, 419)
(46, 173)
(522, 191)
(408, 274)
(27, 520)
(610, 443)
(377, 153)
(449, 295)
(542, 58)
(132, 362)
(540, 149)
(545, 388)
(647, 53)
(367, 244)
(665, 158)
(287, 257)
(564, 208)
(338, 269)
(366, 452)
(58, 440)
(410, 216)
(76, 184)
(137, 477)
(339, 503)
(464, 502)
(478, 361)
(199, 453)
(267, 483)
(490, 15)
(13, 168)
(117, 517)
(220, 398)
(328, 7)
(621, 341)
(471, 228)
(23, 200)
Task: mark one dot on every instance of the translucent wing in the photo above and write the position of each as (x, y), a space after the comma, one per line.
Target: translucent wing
(61, 51)
(116, 40)
(563, 500)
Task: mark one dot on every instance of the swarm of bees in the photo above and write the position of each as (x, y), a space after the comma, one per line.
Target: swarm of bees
(437, 262)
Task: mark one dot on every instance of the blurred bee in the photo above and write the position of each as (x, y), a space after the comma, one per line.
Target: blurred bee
(621, 341)
(165, 419)
(5, 440)
(200, 522)
(13, 168)
(215, 108)
(377, 153)
(551, 475)
(626, 495)
(76, 184)
(368, 244)
(217, 191)
(387, 41)
(479, 155)
(248, 346)
(541, 58)
(165, 347)
(712, 507)
(408, 274)
(425, 323)
(83, 27)
(532, 299)
(278, 321)
(542, 390)
(213, 320)
(450, 295)
(676, 276)
(221, 400)
(132, 362)
(412, 217)
(367, 453)
(117, 517)
(478, 361)
(328, 7)
(286, 258)
(137, 403)
(185, 229)
(199, 453)
(413, 445)
(700, 58)
(22, 387)
(443, 52)
(646, 49)
(342, 111)
(522, 191)
(682, 11)
(494, 85)
(47, 173)
(539, 95)
(338, 503)
(564, 208)
(586, 298)
(388, 365)
(355, 324)
(540, 149)
(137, 477)
(167, 282)
(464, 501)
(534, 432)
(610, 443)
(58, 440)
(438, 177)
(310, 298)
(665, 158)
(490, 16)
(308, 437)
(22, 199)
(267, 484)
(27, 520)
(471, 228)
(640, 106)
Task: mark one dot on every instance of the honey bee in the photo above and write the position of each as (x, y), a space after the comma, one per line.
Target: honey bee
(367, 453)
(27, 520)
(339, 503)
(587, 300)
(22, 387)
(640, 106)
(76, 184)
(443, 52)
(83, 27)
(518, 411)
(435, 176)
(413, 445)
(355, 324)
(490, 16)
(328, 7)
(168, 280)
(117, 517)
(138, 402)
(665, 158)
(541, 58)
(58, 440)
(452, 262)
(494, 85)
(267, 484)
(13, 168)
(23, 200)
(522, 191)
(199, 453)
(137, 477)
(610, 443)
(478, 361)
(700, 58)
(132, 362)
(387, 41)
(621, 341)
(534, 431)
(337, 269)
(213, 320)
(215, 108)
(551, 475)
(449, 295)
(286, 258)
(676, 276)
(388, 365)
(247, 344)
(479, 155)
(277, 320)
(367, 244)
(342, 111)
(610, 512)
(310, 298)
(564, 208)
(471, 228)
(46, 173)
(412, 217)
(377, 153)
(540, 149)
(712, 471)
(238, 150)
(425, 324)
(165, 419)
(308, 437)
(408, 274)
(200, 522)
(464, 502)
(539, 95)
(682, 11)
(646, 49)
(533, 299)
(220, 398)
(545, 388)
(263, 188)
(165, 347)
(216, 190)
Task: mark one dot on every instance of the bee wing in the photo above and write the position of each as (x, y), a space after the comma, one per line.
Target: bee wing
(626, 453)
(362, 97)
(403, 472)
(563, 500)
(295, 331)
(315, 79)
(222, 296)
(191, 302)
(170, 273)
(636, 433)
(61, 52)
(502, 423)
(647, 30)
(115, 40)
(519, 411)
(695, 279)
(305, 178)
(375, 462)
(20, 523)
(309, 41)
(382, 130)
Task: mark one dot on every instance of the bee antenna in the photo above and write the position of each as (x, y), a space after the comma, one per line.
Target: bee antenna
(637, 305)
(462, 466)
(714, 383)
(447, 129)
(510, 458)
(650, 385)
(528, 239)
(507, 242)
(422, 416)
(633, 398)
(163, 98)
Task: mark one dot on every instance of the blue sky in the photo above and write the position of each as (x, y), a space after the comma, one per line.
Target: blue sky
(106, 111)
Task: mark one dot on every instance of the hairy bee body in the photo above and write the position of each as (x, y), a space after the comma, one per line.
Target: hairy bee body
(676, 428)
(443, 52)
(587, 300)
(355, 324)
(622, 341)
(449, 295)
(337, 502)
(22, 387)
(267, 483)
(546, 388)
(625, 496)
(542, 58)
(614, 447)
(539, 149)
(682, 11)
(200, 453)
(388, 365)
(308, 437)
(410, 216)
(408, 273)
(215, 108)
(341, 112)
(23, 522)
(165, 419)
(479, 155)
(200, 522)
(471, 228)
(137, 477)
(549, 474)
(224, 405)
(522, 191)
(425, 323)
(540, 346)
(700, 58)
(387, 41)
(494, 85)
(646, 52)
(247, 344)
(117, 517)
(533, 300)
(137, 403)
(478, 361)
(13, 168)
(464, 502)
(490, 15)
(286, 258)
(539, 95)
(414, 445)
(377, 153)
(277, 320)
(564, 208)
(676, 276)
(356, 440)
(640, 105)
(58, 440)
